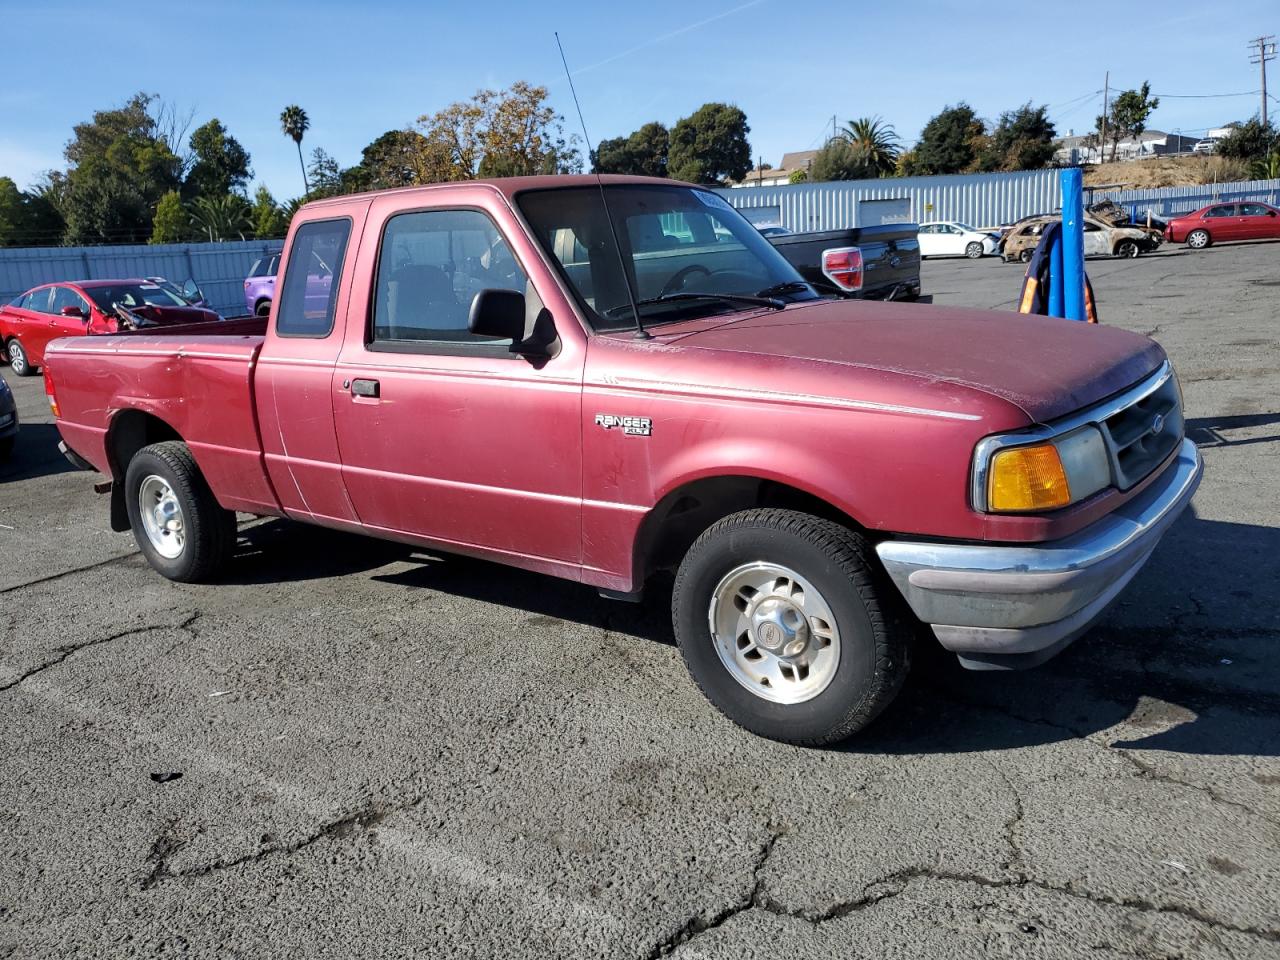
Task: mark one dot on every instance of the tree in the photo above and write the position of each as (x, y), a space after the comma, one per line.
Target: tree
(392, 160)
(1023, 140)
(497, 133)
(221, 218)
(710, 145)
(294, 123)
(1129, 113)
(798, 176)
(908, 164)
(268, 219)
(841, 160)
(949, 141)
(324, 174)
(1249, 141)
(171, 225)
(221, 164)
(12, 214)
(875, 142)
(120, 167)
(643, 153)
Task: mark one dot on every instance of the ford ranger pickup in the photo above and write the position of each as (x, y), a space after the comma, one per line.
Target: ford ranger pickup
(605, 379)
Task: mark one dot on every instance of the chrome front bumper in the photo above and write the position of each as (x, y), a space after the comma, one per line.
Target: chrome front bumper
(1006, 607)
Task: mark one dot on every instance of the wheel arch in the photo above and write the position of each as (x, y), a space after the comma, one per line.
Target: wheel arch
(129, 431)
(692, 505)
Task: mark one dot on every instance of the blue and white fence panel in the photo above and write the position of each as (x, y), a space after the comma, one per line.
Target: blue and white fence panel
(218, 268)
(1165, 202)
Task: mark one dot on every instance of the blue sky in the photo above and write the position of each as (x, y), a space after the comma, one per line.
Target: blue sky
(360, 69)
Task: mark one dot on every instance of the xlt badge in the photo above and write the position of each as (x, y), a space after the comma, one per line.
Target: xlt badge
(631, 426)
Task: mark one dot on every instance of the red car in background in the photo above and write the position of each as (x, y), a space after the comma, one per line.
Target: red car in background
(29, 322)
(1220, 222)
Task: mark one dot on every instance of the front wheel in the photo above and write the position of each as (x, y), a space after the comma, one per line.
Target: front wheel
(6, 449)
(263, 308)
(179, 526)
(1127, 249)
(1198, 239)
(19, 362)
(973, 251)
(788, 627)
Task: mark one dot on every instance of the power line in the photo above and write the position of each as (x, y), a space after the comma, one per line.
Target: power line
(1204, 96)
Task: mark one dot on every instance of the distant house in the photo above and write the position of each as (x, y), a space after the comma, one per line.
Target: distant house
(779, 176)
(1149, 143)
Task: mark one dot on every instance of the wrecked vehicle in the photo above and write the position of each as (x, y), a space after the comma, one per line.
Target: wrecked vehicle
(542, 372)
(1101, 239)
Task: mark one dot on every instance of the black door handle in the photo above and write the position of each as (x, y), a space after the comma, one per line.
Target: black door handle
(365, 388)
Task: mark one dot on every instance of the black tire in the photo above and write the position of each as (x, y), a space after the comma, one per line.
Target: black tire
(874, 639)
(973, 251)
(1025, 256)
(6, 449)
(19, 362)
(1128, 249)
(210, 531)
(1199, 239)
(262, 308)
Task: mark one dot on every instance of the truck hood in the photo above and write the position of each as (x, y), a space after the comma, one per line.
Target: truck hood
(1046, 366)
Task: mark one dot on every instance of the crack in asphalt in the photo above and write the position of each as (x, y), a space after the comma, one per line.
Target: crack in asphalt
(895, 884)
(363, 818)
(68, 573)
(69, 650)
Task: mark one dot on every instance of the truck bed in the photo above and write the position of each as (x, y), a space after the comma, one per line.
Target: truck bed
(890, 259)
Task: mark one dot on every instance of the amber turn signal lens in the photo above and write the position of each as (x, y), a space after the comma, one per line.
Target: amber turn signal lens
(1027, 478)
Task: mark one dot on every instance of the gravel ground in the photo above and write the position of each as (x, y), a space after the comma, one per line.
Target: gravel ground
(354, 748)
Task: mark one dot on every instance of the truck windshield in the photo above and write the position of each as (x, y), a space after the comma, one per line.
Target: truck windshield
(675, 240)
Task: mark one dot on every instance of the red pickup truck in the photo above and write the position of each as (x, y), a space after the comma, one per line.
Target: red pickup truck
(516, 371)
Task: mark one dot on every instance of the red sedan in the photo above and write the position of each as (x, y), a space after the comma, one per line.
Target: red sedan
(44, 313)
(1225, 221)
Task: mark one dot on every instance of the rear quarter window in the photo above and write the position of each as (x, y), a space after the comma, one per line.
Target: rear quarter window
(311, 279)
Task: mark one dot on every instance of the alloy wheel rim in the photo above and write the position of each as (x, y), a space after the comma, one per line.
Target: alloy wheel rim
(17, 357)
(775, 634)
(162, 518)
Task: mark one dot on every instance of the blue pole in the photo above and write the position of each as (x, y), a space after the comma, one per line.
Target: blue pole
(1073, 244)
(1055, 277)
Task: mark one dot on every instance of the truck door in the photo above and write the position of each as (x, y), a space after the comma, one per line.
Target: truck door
(445, 435)
(294, 375)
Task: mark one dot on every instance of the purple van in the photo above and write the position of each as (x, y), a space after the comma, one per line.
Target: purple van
(260, 285)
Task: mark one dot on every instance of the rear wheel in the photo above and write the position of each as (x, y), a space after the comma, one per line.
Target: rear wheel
(263, 308)
(1025, 256)
(179, 526)
(6, 449)
(973, 251)
(1127, 248)
(1198, 239)
(788, 627)
(19, 362)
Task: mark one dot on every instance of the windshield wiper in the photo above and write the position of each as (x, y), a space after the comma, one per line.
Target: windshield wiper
(756, 301)
(786, 286)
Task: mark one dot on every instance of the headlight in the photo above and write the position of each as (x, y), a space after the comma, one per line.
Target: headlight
(1041, 476)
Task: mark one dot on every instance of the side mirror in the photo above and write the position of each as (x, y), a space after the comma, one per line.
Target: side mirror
(504, 314)
(74, 312)
(1271, 213)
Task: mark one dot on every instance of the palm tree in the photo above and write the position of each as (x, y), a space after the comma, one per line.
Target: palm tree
(875, 140)
(221, 218)
(294, 123)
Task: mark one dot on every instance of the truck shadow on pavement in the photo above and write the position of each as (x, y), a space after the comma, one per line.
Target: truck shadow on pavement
(1208, 431)
(1184, 662)
(35, 454)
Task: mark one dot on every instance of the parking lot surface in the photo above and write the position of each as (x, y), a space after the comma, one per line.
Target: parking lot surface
(350, 748)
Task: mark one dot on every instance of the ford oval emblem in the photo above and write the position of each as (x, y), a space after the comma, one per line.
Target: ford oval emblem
(1157, 424)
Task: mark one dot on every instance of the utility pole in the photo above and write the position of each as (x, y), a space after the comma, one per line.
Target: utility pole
(759, 171)
(833, 126)
(1106, 92)
(1264, 50)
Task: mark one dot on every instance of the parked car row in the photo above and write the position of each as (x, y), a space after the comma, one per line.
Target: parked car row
(1223, 222)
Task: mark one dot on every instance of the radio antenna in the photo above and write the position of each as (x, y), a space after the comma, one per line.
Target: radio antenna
(641, 332)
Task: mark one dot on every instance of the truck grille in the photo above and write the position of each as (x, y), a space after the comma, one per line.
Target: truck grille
(1142, 434)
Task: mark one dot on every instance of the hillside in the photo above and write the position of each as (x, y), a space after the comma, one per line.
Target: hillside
(1166, 172)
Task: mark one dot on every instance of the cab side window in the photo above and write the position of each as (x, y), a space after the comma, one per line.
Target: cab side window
(66, 297)
(431, 266)
(311, 279)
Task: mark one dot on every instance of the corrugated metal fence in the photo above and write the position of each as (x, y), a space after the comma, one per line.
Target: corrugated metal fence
(981, 199)
(219, 268)
(1171, 201)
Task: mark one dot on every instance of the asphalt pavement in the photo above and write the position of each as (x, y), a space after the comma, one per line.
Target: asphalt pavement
(351, 748)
